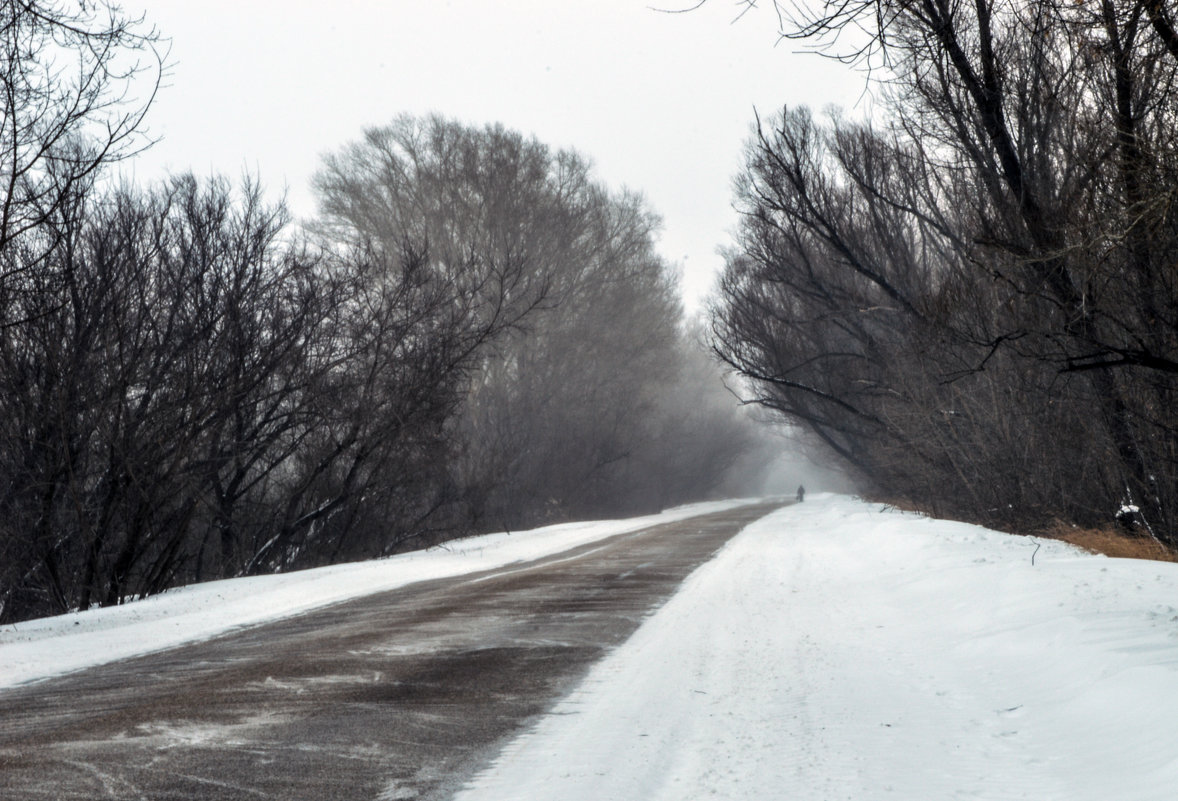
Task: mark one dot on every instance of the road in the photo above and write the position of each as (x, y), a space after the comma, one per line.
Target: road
(399, 695)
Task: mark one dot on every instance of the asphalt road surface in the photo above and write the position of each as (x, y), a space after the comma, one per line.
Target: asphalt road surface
(400, 695)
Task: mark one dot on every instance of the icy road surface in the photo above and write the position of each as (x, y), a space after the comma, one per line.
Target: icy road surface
(395, 695)
(36, 649)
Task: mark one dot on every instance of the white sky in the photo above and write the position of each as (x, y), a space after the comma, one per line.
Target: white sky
(661, 103)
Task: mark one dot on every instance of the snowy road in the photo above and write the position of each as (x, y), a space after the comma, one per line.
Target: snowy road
(836, 651)
(399, 695)
(831, 650)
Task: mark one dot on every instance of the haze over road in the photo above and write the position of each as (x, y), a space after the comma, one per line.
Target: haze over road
(404, 694)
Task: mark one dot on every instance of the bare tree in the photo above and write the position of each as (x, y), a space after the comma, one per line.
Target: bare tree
(565, 406)
(158, 376)
(1014, 218)
(76, 80)
(458, 230)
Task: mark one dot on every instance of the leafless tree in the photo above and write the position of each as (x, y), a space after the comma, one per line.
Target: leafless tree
(76, 80)
(463, 229)
(566, 411)
(161, 322)
(1013, 217)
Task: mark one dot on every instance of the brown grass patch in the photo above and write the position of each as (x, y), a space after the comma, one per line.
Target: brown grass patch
(1111, 542)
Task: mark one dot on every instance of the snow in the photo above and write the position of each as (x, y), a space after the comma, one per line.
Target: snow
(835, 650)
(832, 650)
(38, 649)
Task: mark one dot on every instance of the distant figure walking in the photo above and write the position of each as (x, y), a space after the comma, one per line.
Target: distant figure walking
(801, 493)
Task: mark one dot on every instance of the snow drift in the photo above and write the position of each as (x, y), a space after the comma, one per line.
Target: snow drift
(834, 650)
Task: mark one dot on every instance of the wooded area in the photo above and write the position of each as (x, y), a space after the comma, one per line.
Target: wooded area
(972, 300)
(475, 334)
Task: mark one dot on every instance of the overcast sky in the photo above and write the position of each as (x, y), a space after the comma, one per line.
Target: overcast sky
(660, 103)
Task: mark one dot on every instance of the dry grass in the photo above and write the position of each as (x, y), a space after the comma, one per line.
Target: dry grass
(1111, 542)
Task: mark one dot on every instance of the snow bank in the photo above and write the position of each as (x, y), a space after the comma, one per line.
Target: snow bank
(837, 651)
(37, 649)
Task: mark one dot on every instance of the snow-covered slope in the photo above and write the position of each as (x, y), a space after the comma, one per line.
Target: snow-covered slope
(837, 651)
(37, 649)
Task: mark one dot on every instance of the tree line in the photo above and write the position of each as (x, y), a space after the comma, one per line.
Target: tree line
(473, 334)
(972, 300)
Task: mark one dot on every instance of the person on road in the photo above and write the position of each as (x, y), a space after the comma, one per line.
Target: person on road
(801, 493)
